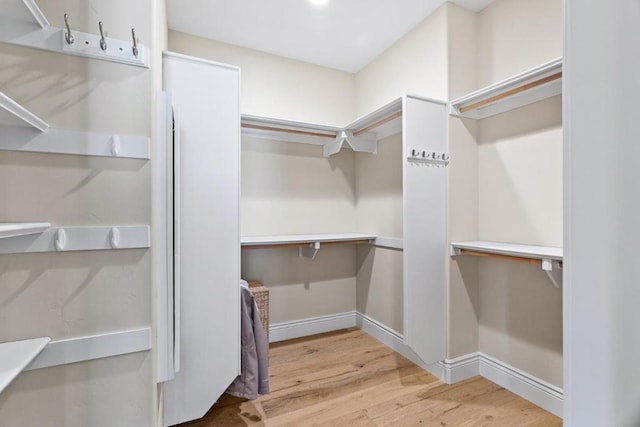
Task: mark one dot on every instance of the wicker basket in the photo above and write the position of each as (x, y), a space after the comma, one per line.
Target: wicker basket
(261, 295)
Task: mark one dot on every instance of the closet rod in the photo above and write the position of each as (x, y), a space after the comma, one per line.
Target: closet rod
(297, 132)
(511, 92)
(304, 244)
(500, 256)
(378, 123)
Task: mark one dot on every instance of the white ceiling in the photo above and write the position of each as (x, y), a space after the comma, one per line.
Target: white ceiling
(343, 34)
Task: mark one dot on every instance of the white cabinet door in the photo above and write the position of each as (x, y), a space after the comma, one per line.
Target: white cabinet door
(207, 236)
(425, 230)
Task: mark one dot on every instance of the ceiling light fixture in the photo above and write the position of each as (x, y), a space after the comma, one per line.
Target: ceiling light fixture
(319, 2)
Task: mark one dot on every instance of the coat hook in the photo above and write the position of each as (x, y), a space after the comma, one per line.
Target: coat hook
(115, 145)
(103, 41)
(61, 239)
(68, 36)
(114, 237)
(135, 43)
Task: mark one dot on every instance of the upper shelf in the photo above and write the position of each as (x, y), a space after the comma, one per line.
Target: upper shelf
(307, 244)
(23, 23)
(13, 229)
(361, 135)
(16, 355)
(14, 114)
(522, 89)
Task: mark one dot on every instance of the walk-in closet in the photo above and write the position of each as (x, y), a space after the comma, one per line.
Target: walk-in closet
(318, 213)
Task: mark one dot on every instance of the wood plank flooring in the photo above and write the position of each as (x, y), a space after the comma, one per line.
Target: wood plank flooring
(347, 378)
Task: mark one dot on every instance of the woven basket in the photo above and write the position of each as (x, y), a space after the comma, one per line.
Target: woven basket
(261, 295)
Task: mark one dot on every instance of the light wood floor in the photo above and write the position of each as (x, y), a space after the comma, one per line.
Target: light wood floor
(347, 378)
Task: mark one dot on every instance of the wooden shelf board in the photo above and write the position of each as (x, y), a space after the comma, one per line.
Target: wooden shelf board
(13, 229)
(14, 114)
(291, 240)
(522, 89)
(16, 355)
(511, 250)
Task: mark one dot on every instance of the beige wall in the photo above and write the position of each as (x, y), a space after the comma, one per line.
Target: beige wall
(416, 64)
(379, 211)
(274, 86)
(74, 294)
(291, 188)
(520, 191)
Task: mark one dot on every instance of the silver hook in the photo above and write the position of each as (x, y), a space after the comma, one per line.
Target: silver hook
(135, 44)
(68, 37)
(103, 42)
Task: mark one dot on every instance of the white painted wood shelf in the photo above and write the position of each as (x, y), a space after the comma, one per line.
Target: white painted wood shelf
(547, 257)
(22, 23)
(14, 229)
(15, 356)
(361, 135)
(307, 244)
(517, 91)
(14, 114)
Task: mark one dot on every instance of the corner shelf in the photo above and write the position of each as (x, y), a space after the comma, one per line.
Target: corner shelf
(361, 135)
(307, 244)
(14, 229)
(547, 257)
(15, 356)
(522, 89)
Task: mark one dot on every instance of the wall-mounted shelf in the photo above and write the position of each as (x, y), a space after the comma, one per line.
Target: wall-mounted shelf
(14, 229)
(24, 131)
(14, 114)
(362, 135)
(23, 23)
(16, 355)
(64, 239)
(547, 257)
(522, 89)
(307, 244)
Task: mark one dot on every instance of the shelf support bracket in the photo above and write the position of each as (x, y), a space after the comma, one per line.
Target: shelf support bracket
(365, 143)
(309, 251)
(553, 270)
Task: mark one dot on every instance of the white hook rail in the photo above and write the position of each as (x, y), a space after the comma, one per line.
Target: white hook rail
(65, 239)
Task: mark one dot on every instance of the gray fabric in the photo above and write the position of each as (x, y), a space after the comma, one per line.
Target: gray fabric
(254, 353)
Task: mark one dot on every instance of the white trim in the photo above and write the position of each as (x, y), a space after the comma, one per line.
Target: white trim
(12, 113)
(315, 325)
(535, 390)
(169, 54)
(394, 243)
(461, 368)
(61, 141)
(81, 349)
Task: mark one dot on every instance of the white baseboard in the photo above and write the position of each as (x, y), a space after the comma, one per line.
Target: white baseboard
(315, 325)
(535, 390)
(460, 368)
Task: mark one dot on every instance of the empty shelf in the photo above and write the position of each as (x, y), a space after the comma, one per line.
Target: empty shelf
(13, 229)
(304, 239)
(16, 355)
(14, 114)
(547, 257)
(522, 89)
(508, 249)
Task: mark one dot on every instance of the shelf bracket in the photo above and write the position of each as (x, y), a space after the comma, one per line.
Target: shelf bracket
(365, 143)
(309, 251)
(553, 270)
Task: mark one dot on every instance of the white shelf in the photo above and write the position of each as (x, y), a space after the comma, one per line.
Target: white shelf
(14, 229)
(361, 135)
(22, 23)
(307, 244)
(522, 89)
(16, 355)
(548, 257)
(512, 249)
(64, 239)
(14, 114)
